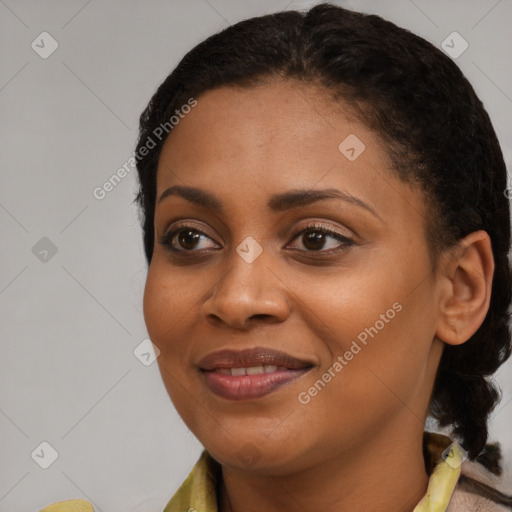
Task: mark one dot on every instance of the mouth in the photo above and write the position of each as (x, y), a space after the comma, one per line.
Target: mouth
(250, 374)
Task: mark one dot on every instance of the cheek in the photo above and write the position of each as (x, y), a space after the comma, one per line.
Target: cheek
(372, 384)
(381, 323)
(346, 306)
(166, 308)
(167, 300)
(157, 302)
(385, 350)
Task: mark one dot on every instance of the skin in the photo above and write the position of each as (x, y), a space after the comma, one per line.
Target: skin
(357, 444)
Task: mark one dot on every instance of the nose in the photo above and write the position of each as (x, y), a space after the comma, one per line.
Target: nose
(246, 294)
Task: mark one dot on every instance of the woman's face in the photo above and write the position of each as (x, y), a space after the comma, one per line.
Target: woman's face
(352, 302)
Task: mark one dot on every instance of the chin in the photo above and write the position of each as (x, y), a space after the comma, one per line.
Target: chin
(264, 457)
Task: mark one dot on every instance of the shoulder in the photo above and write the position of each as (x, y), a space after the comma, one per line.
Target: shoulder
(467, 496)
(465, 501)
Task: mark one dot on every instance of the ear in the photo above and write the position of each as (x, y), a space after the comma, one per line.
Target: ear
(466, 284)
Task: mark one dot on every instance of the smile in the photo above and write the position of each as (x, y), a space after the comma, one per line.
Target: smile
(250, 374)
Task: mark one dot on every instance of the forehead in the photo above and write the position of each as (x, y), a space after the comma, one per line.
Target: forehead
(284, 117)
(249, 143)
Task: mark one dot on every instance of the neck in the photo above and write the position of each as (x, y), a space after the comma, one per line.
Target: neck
(384, 474)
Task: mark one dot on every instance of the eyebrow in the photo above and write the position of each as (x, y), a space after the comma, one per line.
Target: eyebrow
(277, 203)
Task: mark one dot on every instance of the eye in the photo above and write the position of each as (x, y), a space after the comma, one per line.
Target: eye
(318, 238)
(186, 239)
(314, 238)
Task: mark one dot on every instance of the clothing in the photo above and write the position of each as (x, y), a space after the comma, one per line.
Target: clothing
(198, 493)
(69, 506)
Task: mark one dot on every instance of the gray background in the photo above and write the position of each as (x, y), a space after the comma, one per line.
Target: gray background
(71, 320)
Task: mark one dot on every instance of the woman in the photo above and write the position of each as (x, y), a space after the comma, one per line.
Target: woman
(332, 192)
(327, 235)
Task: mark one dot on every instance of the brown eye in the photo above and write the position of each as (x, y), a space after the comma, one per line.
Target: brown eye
(321, 239)
(314, 240)
(188, 238)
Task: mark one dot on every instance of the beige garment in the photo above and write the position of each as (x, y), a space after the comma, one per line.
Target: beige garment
(464, 501)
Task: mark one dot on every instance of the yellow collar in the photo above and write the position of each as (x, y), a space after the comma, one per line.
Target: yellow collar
(444, 460)
(199, 491)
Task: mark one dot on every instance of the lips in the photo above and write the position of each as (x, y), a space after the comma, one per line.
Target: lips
(250, 374)
(251, 358)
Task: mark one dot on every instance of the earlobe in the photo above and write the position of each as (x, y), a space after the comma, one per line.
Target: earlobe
(466, 288)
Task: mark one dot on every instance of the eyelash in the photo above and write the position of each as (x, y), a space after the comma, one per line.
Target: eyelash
(346, 242)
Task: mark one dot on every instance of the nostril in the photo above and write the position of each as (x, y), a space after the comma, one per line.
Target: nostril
(214, 318)
(261, 316)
